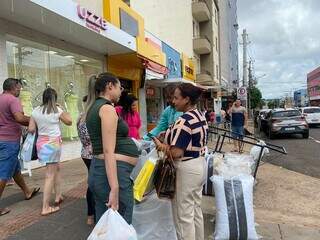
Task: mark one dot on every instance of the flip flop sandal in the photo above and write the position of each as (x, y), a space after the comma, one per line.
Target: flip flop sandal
(34, 193)
(52, 210)
(4, 211)
(57, 203)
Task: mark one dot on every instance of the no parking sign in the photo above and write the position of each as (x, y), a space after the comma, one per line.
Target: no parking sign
(242, 93)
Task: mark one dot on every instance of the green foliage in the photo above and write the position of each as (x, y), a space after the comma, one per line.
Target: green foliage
(255, 98)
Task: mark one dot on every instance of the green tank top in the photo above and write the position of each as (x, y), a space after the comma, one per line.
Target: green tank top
(124, 144)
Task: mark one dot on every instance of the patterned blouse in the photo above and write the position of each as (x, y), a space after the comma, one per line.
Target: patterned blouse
(86, 150)
(189, 133)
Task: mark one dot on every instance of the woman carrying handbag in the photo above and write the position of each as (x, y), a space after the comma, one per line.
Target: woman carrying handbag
(185, 141)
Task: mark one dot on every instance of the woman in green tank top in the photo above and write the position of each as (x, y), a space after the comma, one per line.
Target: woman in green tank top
(114, 153)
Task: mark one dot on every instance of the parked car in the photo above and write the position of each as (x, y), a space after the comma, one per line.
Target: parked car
(312, 115)
(261, 119)
(286, 121)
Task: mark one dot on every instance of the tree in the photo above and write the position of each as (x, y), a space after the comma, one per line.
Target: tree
(255, 98)
(271, 104)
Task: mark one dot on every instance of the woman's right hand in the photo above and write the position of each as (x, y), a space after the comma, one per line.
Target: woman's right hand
(113, 199)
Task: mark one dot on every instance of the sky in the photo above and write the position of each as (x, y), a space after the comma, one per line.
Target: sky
(284, 44)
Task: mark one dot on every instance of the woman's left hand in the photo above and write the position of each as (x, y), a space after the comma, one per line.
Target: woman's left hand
(160, 146)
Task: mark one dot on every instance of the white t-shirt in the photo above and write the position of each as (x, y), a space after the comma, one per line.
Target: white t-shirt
(48, 124)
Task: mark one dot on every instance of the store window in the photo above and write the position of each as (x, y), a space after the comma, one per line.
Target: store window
(40, 66)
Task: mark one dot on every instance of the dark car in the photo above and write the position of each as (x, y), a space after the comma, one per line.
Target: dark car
(262, 119)
(286, 121)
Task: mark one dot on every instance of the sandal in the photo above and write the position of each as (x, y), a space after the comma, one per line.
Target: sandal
(35, 191)
(57, 203)
(52, 210)
(4, 211)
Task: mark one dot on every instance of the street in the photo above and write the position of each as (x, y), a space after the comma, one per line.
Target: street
(303, 155)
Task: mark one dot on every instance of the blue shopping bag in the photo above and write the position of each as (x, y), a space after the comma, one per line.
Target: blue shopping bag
(28, 151)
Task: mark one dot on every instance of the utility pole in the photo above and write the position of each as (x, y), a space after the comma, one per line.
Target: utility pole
(250, 87)
(245, 62)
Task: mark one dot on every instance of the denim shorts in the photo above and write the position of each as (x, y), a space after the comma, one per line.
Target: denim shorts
(9, 162)
(237, 132)
(99, 186)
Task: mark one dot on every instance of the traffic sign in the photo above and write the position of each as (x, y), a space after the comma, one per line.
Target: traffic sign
(242, 93)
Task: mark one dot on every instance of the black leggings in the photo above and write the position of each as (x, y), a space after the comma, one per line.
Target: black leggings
(89, 196)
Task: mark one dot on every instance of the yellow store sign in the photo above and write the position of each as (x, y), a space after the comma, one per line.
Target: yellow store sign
(188, 68)
(121, 15)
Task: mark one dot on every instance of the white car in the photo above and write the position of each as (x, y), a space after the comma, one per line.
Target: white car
(312, 115)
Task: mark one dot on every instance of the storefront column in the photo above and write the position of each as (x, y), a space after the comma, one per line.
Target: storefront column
(3, 59)
(143, 109)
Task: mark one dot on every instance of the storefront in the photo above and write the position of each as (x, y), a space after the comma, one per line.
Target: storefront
(313, 81)
(139, 69)
(156, 82)
(154, 93)
(45, 43)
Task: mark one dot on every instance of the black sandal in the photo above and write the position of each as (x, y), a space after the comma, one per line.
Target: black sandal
(4, 211)
(34, 193)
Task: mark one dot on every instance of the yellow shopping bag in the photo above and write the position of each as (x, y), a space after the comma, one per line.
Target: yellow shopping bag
(142, 181)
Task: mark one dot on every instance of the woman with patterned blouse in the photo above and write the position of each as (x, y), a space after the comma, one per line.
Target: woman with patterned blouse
(185, 140)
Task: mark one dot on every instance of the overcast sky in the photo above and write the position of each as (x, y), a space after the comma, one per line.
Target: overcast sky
(285, 42)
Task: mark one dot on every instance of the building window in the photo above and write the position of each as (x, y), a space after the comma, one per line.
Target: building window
(196, 29)
(217, 71)
(217, 44)
(127, 2)
(198, 67)
(216, 15)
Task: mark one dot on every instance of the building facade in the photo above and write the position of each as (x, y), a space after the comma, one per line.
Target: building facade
(229, 44)
(191, 27)
(300, 98)
(46, 43)
(313, 83)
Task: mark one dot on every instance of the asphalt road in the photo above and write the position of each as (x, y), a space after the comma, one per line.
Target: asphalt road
(303, 154)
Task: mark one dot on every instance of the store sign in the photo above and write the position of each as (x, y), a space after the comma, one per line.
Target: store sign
(93, 21)
(173, 61)
(242, 93)
(188, 68)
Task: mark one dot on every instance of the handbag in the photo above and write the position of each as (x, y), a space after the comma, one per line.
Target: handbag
(165, 177)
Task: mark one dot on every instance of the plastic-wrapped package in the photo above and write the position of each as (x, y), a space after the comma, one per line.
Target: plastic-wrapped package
(210, 159)
(234, 205)
(153, 220)
(234, 164)
(255, 150)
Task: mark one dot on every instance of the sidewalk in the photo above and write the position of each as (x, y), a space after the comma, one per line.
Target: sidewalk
(285, 207)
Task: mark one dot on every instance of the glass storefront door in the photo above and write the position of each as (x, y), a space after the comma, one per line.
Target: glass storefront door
(40, 66)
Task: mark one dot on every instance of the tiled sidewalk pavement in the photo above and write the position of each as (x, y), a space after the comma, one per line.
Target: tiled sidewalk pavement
(31, 216)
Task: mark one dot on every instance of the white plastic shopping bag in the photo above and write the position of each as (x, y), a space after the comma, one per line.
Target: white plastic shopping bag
(28, 146)
(112, 226)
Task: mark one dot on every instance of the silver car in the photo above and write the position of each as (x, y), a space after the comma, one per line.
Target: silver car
(286, 121)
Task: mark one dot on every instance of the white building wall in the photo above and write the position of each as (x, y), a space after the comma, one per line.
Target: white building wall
(229, 42)
(94, 5)
(216, 44)
(3, 60)
(158, 17)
